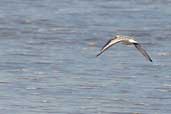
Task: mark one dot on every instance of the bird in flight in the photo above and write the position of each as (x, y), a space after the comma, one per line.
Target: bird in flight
(127, 41)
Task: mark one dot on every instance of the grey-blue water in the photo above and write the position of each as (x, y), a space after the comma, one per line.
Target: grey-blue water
(48, 63)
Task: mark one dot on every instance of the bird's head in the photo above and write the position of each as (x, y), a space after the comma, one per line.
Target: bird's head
(117, 36)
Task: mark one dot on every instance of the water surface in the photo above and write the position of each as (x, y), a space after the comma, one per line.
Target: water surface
(48, 63)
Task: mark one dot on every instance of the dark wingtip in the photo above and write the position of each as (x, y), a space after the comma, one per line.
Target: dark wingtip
(150, 59)
(98, 54)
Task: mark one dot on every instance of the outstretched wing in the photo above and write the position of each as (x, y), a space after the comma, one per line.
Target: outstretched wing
(108, 45)
(139, 47)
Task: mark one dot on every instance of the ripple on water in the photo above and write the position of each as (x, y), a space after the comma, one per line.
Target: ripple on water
(48, 62)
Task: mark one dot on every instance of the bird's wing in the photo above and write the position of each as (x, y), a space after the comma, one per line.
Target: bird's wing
(108, 45)
(139, 47)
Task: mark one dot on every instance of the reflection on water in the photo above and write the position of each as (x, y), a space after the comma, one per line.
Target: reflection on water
(48, 63)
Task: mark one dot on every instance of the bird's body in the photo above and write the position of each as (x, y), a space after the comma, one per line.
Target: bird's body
(127, 41)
